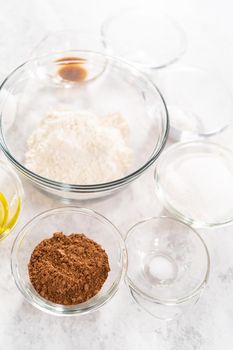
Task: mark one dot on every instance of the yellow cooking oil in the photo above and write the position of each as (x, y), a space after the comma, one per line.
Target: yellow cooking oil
(9, 212)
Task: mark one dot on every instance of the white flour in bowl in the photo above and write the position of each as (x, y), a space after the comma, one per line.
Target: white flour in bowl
(80, 148)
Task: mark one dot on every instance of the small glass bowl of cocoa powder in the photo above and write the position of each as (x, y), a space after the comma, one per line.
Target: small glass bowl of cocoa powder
(82, 251)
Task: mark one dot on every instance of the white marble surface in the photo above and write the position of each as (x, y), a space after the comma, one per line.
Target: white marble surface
(121, 325)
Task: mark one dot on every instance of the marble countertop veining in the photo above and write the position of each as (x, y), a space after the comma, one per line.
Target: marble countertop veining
(121, 324)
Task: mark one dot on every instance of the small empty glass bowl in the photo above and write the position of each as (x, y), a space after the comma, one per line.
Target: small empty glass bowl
(168, 266)
(35, 89)
(148, 39)
(194, 181)
(11, 199)
(199, 103)
(69, 220)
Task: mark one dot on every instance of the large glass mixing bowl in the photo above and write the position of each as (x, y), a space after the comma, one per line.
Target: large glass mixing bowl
(110, 85)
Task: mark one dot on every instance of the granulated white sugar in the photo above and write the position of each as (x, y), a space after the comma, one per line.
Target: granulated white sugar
(80, 147)
(200, 186)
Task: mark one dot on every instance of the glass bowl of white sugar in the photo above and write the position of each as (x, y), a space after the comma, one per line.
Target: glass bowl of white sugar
(194, 181)
(80, 124)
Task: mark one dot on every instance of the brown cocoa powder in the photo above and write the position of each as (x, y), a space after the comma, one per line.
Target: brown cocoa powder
(68, 270)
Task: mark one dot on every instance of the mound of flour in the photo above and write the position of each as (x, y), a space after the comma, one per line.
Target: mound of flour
(80, 148)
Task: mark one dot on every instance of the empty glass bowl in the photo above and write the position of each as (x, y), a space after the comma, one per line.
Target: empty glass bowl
(69, 220)
(35, 89)
(146, 38)
(11, 199)
(168, 266)
(194, 181)
(199, 103)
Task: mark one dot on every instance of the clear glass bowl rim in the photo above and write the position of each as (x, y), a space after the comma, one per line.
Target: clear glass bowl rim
(95, 187)
(175, 301)
(50, 34)
(61, 310)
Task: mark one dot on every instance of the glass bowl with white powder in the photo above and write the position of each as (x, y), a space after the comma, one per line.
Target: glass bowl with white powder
(194, 180)
(79, 137)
